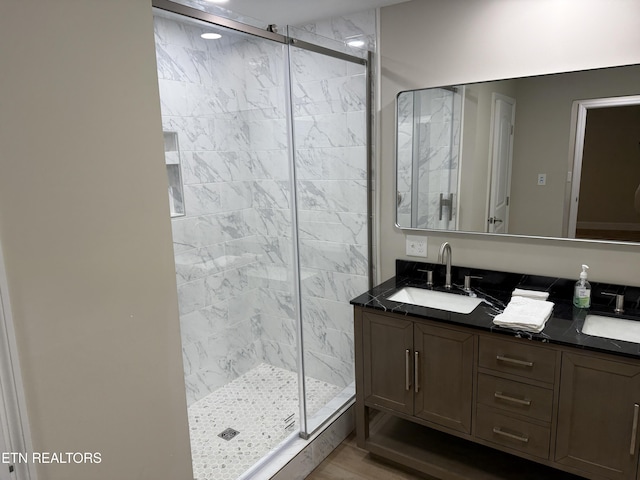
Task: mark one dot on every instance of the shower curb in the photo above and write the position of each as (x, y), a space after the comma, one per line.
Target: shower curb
(303, 456)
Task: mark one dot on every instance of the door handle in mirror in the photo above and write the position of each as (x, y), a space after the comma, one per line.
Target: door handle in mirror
(446, 202)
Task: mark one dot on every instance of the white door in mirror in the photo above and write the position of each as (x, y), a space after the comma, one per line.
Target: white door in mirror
(503, 119)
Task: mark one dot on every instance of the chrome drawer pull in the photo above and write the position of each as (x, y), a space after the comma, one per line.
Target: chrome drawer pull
(407, 375)
(520, 363)
(634, 429)
(520, 438)
(416, 374)
(507, 398)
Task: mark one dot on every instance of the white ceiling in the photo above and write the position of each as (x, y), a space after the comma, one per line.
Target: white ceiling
(299, 12)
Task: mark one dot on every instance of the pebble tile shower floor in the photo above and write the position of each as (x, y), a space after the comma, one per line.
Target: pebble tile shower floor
(262, 405)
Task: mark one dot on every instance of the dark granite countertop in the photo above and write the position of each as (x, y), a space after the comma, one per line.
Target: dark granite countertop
(563, 328)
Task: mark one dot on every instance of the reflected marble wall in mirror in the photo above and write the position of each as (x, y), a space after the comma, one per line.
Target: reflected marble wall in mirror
(548, 156)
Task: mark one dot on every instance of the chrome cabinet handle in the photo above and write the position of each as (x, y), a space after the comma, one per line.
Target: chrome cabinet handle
(520, 363)
(507, 398)
(634, 429)
(407, 375)
(520, 438)
(416, 374)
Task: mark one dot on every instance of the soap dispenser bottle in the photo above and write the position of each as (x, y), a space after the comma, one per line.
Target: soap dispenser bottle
(582, 290)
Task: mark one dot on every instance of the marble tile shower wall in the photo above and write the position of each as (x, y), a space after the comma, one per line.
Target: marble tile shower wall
(438, 161)
(342, 29)
(329, 98)
(233, 248)
(439, 112)
(404, 158)
(225, 99)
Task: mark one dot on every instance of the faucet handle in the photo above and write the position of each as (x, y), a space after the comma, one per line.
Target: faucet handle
(467, 282)
(619, 301)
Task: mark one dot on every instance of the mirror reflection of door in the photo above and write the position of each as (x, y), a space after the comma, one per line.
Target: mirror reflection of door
(605, 206)
(503, 119)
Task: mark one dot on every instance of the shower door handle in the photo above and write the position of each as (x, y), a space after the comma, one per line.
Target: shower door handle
(446, 202)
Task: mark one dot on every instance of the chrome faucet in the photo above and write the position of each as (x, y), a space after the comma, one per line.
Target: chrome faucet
(445, 248)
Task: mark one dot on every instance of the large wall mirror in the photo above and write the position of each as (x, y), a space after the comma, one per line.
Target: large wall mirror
(548, 156)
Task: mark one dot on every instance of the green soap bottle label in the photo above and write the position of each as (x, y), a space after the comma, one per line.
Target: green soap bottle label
(583, 297)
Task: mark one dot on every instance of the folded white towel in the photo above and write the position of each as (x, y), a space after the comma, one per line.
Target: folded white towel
(525, 314)
(519, 292)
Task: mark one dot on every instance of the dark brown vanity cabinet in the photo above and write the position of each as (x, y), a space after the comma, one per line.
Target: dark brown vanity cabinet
(443, 376)
(419, 370)
(516, 386)
(387, 347)
(598, 416)
(512, 405)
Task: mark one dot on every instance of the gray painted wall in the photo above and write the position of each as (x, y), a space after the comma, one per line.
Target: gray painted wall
(488, 40)
(86, 237)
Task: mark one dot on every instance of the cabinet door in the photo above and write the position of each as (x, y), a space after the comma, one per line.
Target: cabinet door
(388, 368)
(444, 376)
(598, 416)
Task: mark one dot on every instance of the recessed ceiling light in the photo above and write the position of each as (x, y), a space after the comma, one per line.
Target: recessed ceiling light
(211, 36)
(356, 43)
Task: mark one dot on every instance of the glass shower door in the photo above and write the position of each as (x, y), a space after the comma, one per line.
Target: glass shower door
(267, 145)
(329, 119)
(223, 102)
(428, 152)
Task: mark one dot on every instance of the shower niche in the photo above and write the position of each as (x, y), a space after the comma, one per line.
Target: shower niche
(174, 176)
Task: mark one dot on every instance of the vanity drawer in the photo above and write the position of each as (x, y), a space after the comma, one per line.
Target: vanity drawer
(517, 358)
(510, 432)
(515, 397)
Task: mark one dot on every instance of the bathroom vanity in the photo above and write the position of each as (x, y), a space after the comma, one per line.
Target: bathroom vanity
(456, 397)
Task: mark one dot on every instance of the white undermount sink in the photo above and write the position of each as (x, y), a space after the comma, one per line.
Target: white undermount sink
(612, 327)
(434, 299)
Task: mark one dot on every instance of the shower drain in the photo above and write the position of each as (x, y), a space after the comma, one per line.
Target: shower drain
(228, 434)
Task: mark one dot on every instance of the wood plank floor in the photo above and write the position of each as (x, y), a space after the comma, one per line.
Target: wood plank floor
(348, 462)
